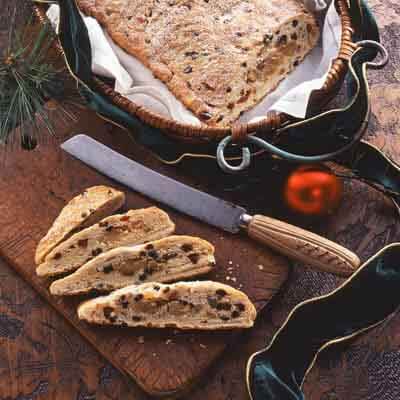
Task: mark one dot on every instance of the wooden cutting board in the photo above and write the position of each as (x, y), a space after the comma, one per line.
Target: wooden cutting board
(35, 185)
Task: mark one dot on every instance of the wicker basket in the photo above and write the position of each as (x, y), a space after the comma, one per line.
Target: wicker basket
(265, 127)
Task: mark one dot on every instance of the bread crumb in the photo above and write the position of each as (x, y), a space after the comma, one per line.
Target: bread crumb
(168, 341)
(260, 267)
(228, 278)
(141, 339)
(230, 262)
(203, 346)
(233, 279)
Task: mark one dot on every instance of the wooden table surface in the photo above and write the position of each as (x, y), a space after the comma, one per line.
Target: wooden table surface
(43, 357)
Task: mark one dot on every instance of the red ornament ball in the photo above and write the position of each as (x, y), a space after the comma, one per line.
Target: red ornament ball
(313, 190)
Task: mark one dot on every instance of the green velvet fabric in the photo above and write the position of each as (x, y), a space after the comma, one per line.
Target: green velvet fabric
(330, 131)
(365, 26)
(375, 168)
(366, 299)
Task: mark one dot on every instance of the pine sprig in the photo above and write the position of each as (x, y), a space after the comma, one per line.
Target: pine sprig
(29, 82)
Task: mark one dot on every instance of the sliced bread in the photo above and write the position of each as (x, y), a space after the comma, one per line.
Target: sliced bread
(84, 210)
(164, 260)
(132, 228)
(203, 305)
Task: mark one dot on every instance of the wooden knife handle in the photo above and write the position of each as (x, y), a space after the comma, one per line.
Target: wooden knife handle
(303, 245)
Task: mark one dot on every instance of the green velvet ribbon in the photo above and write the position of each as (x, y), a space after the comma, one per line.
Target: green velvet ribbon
(370, 165)
(278, 372)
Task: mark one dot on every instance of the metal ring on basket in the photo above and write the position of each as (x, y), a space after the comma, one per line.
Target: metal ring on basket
(246, 156)
(381, 50)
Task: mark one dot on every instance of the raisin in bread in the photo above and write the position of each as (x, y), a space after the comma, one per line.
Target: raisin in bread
(165, 260)
(218, 57)
(202, 305)
(84, 210)
(132, 228)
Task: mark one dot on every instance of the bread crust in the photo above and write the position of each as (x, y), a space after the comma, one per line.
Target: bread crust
(89, 207)
(218, 57)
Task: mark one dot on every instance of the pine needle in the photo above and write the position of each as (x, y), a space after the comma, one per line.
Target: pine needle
(27, 82)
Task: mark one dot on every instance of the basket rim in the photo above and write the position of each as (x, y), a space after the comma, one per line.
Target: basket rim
(267, 126)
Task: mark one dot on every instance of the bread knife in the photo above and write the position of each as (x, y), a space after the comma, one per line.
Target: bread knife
(292, 241)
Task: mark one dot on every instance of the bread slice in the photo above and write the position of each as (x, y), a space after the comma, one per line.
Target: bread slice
(89, 207)
(202, 305)
(134, 227)
(218, 57)
(165, 260)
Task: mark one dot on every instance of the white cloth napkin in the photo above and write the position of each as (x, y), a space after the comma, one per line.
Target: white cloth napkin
(136, 82)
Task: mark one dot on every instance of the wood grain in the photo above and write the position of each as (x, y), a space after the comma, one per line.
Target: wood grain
(43, 357)
(303, 245)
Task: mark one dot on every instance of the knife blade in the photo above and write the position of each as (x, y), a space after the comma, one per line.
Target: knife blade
(290, 240)
(165, 190)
